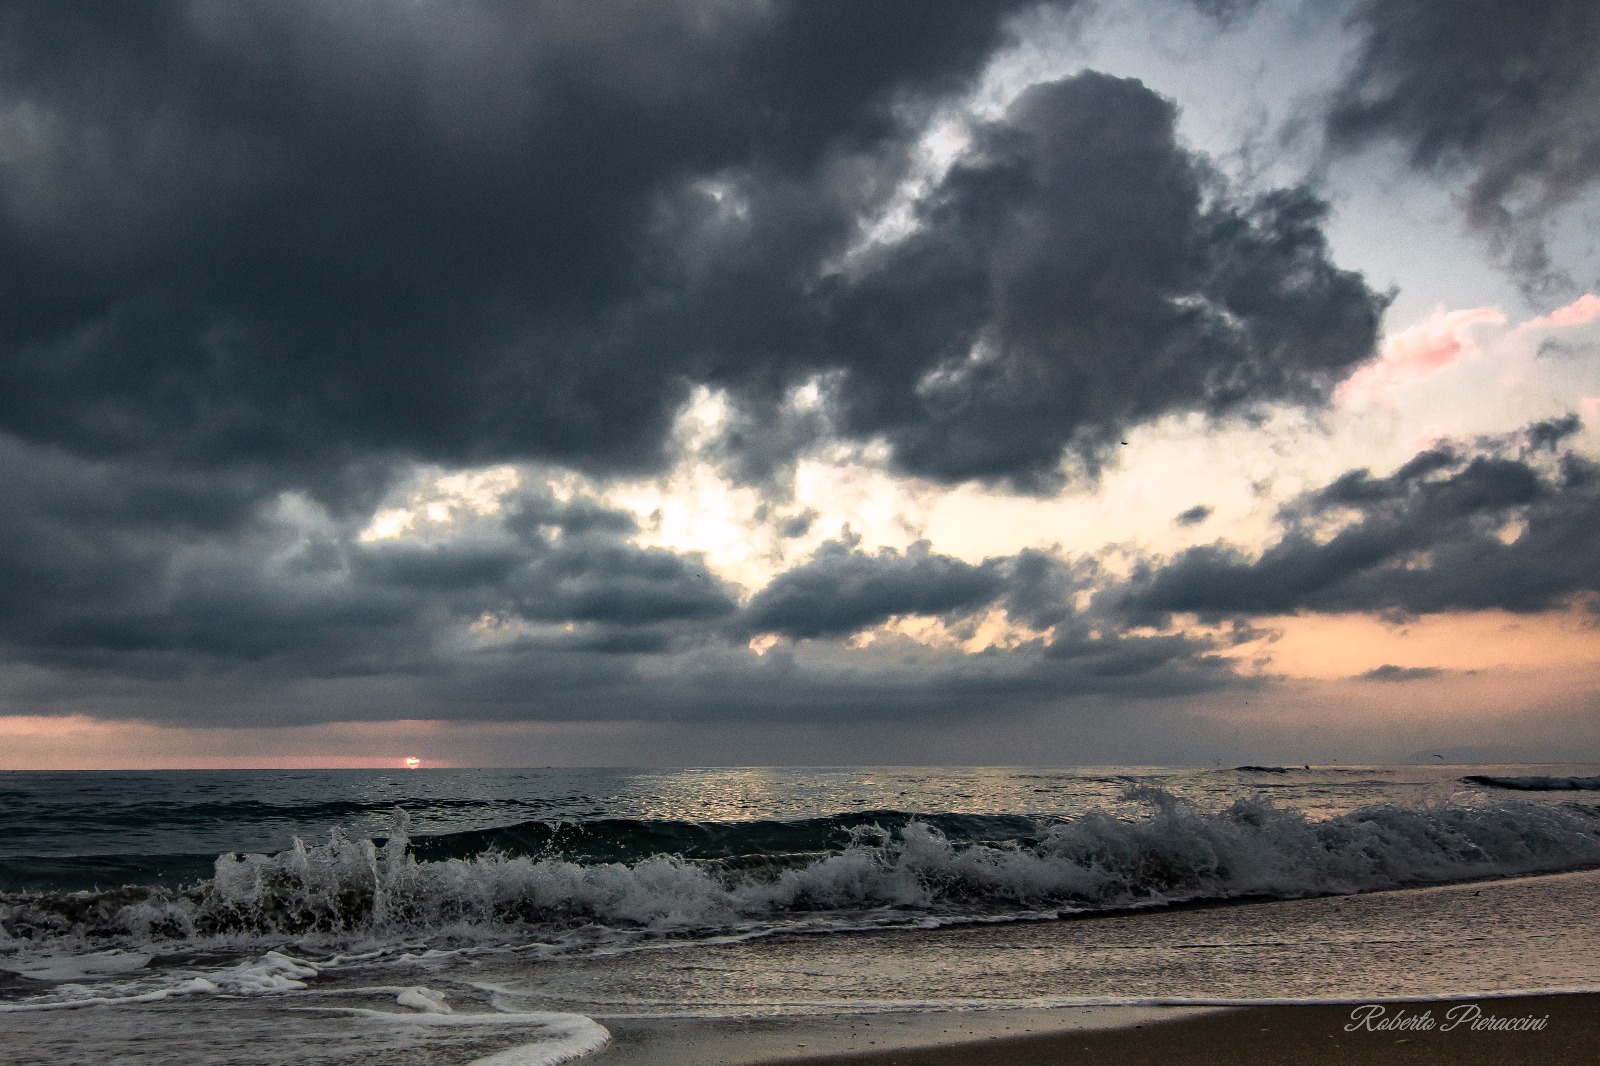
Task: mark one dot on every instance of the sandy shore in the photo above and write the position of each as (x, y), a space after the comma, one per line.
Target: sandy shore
(747, 1041)
(1293, 1034)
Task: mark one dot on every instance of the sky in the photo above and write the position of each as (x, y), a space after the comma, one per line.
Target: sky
(735, 382)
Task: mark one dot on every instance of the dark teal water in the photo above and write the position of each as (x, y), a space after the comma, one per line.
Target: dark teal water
(75, 831)
(80, 830)
(83, 830)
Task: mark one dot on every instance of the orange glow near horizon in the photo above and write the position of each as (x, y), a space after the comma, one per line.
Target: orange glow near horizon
(1518, 670)
(82, 742)
(411, 762)
(1331, 647)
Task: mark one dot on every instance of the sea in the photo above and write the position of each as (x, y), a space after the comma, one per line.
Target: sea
(514, 917)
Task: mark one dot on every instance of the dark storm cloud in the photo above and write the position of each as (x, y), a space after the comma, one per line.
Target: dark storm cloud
(817, 681)
(273, 612)
(96, 574)
(843, 590)
(798, 525)
(1194, 515)
(599, 581)
(1070, 279)
(280, 232)
(261, 260)
(1493, 525)
(1507, 93)
(1227, 12)
(298, 233)
(1400, 674)
(1040, 587)
(1544, 436)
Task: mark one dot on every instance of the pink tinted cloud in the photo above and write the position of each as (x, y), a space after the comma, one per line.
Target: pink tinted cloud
(1412, 354)
(1585, 308)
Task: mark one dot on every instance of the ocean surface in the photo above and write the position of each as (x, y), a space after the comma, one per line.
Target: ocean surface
(503, 916)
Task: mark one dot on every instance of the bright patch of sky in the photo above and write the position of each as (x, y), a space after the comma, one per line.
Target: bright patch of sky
(440, 500)
(1428, 383)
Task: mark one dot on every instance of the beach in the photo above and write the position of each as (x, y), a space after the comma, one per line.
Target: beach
(1315, 1034)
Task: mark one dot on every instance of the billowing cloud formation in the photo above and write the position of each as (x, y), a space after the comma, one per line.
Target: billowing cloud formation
(283, 232)
(296, 235)
(1508, 92)
(121, 578)
(1070, 280)
(843, 590)
(1500, 525)
(265, 262)
(542, 605)
(1399, 674)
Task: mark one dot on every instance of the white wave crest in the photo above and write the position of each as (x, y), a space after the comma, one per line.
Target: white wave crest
(1178, 852)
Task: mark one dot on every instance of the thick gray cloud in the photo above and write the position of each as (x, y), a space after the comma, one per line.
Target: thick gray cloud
(1393, 674)
(1498, 524)
(843, 590)
(1074, 278)
(544, 607)
(1507, 93)
(104, 573)
(280, 232)
(261, 260)
(296, 234)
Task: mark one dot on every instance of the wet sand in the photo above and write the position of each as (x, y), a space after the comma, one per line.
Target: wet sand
(1158, 1036)
(823, 1038)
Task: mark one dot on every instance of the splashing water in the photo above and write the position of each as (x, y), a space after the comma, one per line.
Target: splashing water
(887, 868)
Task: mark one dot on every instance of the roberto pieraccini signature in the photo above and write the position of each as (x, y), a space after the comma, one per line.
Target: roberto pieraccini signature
(1376, 1018)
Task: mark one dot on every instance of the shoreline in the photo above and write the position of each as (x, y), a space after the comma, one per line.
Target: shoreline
(1166, 1035)
(1270, 982)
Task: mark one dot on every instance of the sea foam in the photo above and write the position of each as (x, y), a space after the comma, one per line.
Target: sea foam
(910, 871)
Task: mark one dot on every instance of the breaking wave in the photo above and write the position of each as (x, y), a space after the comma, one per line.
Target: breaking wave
(540, 880)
